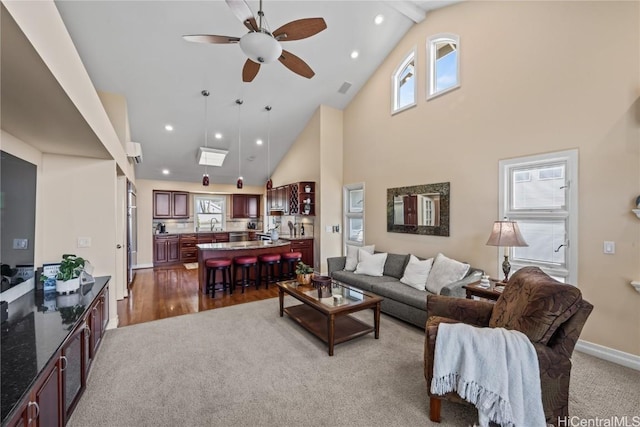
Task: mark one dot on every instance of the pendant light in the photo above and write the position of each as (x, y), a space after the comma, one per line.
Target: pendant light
(239, 183)
(269, 182)
(205, 176)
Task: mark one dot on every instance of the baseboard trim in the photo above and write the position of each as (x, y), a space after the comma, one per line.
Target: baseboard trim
(139, 266)
(616, 356)
(113, 323)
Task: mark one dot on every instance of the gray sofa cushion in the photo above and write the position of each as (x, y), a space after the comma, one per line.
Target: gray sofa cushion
(400, 292)
(360, 281)
(395, 264)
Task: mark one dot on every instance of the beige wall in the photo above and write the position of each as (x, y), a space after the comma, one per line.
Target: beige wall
(536, 77)
(316, 155)
(144, 201)
(78, 199)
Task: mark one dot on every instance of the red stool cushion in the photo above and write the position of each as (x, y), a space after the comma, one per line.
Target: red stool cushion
(218, 262)
(244, 260)
(269, 257)
(292, 255)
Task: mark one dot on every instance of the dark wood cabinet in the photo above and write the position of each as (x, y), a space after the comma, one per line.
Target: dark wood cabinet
(245, 206)
(294, 199)
(305, 247)
(170, 204)
(166, 249)
(410, 204)
(188, 250)
(59, 385)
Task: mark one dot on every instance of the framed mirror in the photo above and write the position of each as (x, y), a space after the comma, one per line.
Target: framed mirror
(419, 209)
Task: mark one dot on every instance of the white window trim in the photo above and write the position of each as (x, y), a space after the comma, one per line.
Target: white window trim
(412, 55)
(346, 215)
(431, 63)
(571, 177)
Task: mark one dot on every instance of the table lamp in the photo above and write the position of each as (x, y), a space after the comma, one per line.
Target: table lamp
(506, 234)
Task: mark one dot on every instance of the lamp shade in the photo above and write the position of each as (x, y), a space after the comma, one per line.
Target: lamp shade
(261, 48)
(506, 233)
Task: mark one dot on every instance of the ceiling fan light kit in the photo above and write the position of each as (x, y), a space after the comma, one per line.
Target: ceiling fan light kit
(262, 46)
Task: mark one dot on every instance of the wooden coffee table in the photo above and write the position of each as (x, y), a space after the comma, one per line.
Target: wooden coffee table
(475, 289)
(327, 319)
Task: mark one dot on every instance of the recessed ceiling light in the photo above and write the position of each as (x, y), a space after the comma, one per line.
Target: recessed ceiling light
(165, 171)
(379, 19)
(354, 54)
(168, 128)
(259, 142)
(218, 135)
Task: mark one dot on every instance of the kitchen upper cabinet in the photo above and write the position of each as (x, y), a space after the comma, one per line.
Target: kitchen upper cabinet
(170, 204)
(245, 206)
(294, 199)
(278, 199)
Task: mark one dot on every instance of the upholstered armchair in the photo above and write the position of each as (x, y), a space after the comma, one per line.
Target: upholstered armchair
(550, 313)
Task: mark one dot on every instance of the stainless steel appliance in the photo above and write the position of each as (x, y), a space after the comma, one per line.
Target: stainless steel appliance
(132, 231)
(241, 236)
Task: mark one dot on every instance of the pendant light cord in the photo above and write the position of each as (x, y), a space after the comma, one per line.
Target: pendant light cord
(205, 93)
(239, 102)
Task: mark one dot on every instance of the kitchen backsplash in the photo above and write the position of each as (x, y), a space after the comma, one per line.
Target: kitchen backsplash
(297, 223)
(187, 225)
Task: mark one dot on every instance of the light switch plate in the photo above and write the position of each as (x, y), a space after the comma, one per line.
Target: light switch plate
(20, 243)
(84, 242)
(609, 248)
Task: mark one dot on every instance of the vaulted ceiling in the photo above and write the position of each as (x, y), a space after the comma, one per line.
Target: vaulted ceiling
(136, 49)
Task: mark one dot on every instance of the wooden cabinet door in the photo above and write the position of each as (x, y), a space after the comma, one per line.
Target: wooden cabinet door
(173, 250)
(253, 206)
(162, 204)
(160, 252)
(49, 400)
(239, 206)
(410, 210)
(72, 369)
(180, 203)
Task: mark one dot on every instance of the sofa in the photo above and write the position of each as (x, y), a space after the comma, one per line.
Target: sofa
(401, 301)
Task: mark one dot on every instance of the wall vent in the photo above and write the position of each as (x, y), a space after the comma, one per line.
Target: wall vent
(134, 151)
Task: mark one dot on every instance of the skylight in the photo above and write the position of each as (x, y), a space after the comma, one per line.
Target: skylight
(211, 156)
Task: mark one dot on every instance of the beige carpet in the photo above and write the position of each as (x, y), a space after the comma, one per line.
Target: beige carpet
(244, 366)
(191, 265)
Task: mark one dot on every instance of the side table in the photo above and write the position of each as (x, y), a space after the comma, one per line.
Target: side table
(476, 290)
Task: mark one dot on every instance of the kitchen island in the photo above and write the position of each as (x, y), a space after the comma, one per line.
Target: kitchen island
(234, 249)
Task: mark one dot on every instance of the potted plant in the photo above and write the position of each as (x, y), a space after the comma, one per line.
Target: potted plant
(303, 273)
(67, 279)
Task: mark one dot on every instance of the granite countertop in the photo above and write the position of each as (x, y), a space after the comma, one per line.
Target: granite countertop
(251, 244)
(177, 233)
(39, 322)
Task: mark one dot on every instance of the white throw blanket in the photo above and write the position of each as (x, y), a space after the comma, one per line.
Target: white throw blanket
(495, 369)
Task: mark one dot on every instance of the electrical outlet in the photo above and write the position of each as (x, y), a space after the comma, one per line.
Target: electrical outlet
(84, 242)
(20, 243)
(328, 229)
(336, 228)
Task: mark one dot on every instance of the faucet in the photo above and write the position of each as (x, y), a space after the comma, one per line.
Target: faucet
(213, 222)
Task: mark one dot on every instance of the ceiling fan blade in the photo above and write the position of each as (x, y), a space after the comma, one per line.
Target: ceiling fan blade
(209, 38)
(296, 64)
(300, 29)
(250, 70)
(241, 9)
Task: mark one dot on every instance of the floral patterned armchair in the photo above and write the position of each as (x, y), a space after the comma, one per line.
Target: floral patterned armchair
(550, 313)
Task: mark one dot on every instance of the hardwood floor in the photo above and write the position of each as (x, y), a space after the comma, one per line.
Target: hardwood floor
(161, 292)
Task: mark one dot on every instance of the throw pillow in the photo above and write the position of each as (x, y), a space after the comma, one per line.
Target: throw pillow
(444, 271)
(371, 264)
(352, 256)
(416, 272)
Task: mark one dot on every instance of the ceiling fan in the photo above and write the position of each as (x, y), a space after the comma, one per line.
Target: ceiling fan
(263, 46)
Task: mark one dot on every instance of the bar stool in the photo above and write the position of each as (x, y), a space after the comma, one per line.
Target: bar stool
(269, 261)
(289, 259)
(214, 265)
(245, 263)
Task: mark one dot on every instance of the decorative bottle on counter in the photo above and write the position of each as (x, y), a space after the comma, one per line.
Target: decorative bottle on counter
(302, 229)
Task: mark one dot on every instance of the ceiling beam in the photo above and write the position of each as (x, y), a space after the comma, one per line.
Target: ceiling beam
(408, 9)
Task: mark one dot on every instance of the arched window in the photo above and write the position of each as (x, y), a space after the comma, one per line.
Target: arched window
(404, 85)
(443, 51)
